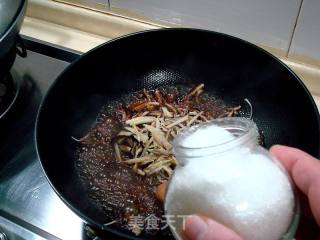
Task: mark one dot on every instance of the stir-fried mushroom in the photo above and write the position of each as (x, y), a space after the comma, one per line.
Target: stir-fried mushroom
(129, 150)
(145, 141)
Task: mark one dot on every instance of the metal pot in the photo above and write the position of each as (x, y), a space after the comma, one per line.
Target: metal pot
(11, 17)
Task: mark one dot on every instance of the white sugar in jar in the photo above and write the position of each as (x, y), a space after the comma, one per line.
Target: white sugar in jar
(224, 174)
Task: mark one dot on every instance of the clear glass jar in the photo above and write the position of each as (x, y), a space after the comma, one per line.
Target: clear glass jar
(236, 182)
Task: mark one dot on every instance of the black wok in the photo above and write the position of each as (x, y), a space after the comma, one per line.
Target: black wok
(230, 68)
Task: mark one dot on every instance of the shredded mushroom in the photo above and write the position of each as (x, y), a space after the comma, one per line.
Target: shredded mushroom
(145, 141)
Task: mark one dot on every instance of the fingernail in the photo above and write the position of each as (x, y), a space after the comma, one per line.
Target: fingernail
(195, 225)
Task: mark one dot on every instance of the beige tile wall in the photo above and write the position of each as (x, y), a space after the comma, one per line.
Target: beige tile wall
(265, 22)
(71, 24)
(83, 19)
(306, 40)
(291, 27)
(100, 1)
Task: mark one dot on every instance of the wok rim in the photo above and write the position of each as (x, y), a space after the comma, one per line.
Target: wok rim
(89, 220)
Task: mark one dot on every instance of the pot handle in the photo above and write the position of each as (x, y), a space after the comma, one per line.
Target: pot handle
(91, 234)
(20, 47)
(94, 234)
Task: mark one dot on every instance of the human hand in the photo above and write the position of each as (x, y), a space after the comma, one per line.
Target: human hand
(203, 228)
(304, 171)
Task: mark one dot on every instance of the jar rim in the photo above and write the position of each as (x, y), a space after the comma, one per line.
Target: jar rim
(244, 130)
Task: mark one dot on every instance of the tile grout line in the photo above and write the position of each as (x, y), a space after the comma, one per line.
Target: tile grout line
(294, 28)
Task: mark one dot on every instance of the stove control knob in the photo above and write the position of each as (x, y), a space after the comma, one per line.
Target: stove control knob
(3, 236)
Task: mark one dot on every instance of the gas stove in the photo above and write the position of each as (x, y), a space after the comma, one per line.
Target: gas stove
(29, 208)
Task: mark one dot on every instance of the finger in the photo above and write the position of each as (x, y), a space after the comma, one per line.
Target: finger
(202, 228)
(305, 171)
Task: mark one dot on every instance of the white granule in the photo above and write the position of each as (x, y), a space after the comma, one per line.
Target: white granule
(206, 137)
(245, 191)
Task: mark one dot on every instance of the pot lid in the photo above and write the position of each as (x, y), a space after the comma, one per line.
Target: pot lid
(9, 9)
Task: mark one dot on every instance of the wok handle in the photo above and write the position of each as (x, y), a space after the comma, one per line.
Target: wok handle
(20, 47)
(91, 233)
(94, 234)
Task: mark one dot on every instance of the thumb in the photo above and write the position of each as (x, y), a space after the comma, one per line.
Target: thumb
(203, 228)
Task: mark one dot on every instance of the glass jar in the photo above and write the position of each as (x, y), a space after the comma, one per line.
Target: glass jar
(234, 181)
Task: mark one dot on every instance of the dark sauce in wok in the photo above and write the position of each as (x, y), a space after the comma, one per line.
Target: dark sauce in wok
(113, 186)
